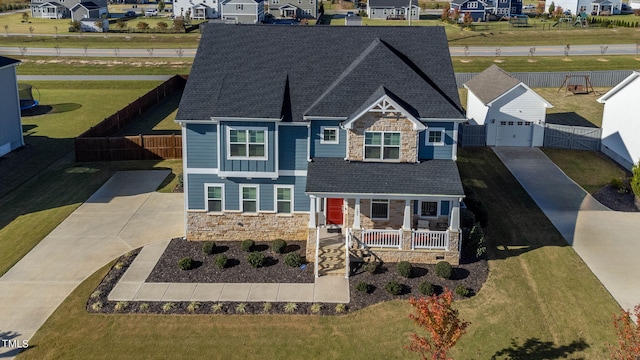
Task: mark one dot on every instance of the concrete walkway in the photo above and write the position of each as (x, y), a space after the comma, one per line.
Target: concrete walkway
(124, 214)
(606, 240)
(132, 286)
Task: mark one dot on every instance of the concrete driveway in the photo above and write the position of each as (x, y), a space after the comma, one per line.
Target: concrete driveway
(606, 240)
(124, 214)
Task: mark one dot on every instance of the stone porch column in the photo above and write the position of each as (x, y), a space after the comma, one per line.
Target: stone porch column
(356, 214)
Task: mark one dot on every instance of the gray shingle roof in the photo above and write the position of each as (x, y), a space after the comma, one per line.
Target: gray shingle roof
(4, 61)
(335, 175)
(261, 71)
(491, 84)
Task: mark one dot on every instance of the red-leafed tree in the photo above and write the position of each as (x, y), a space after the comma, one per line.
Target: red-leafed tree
(441, 321)
(628, 334)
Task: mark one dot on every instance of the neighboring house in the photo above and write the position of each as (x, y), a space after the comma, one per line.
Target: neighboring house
(243, 11)
(621, 122)
(514, 114)
(10, 122)
(392, 9)
(68, 9)
(197, 10)
(634, 4)
(94, 25)
(507, 8)
(478, 9)
(594, 7)
(292, 9)
(353, 21)
(281, 141)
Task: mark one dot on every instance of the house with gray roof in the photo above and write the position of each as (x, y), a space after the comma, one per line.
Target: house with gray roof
(282, 141)
(74, 9)
(513, 114)
(10, 122)
(393, 9)
(243, 11)
(292, 9)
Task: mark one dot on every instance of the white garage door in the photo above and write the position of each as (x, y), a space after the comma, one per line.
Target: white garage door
(514, 133)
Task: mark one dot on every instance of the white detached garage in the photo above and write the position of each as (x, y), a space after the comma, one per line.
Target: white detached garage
(514, 114)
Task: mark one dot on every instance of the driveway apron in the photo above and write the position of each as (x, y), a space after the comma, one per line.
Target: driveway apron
(124, 214)
(606, 240)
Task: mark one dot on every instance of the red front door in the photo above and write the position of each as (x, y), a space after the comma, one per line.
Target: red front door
(334, 211)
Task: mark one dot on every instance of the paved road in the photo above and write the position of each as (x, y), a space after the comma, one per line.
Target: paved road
(606, 240)
(92, 77)
(574, 50)
(124, 214)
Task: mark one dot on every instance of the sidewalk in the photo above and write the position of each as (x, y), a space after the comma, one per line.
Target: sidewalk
(132, 286)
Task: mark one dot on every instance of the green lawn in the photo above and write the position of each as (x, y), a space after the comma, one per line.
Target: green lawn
(546, 63)
(159, 120)
(42, 65)
(591, 170)
(540, 298)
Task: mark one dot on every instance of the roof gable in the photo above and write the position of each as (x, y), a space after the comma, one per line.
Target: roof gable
(5, 61)
(490, 84)
(628, 80)
(385, 101)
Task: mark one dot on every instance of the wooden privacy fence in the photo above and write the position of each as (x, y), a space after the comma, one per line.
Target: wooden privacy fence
(140, 147)
(97, 143)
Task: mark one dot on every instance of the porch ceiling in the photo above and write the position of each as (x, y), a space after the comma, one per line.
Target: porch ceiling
(428, 178)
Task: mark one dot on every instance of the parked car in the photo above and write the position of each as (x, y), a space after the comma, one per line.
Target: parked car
(151, 12)
(130, 14)
(529, 7)
(350, 13)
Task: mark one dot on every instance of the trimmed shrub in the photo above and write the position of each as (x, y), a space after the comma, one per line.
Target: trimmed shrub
(97, 306)
(193, 306)
(255, 259)
(144, 307)
(405, 269)
(208, 247)
(444, 270)
(290, 307)
(476, 238)
(293, 259)
(462, 290)
(221, 261)
(241, 308)
(426, 288)
(341, 308)
(217, 307)
(362, 287)
(371, 267)
(266, 307)
(476, 206)
(315, 308)
(279, 246)
(168, 307)
(185, 263)
(393, 288)
(247, 245)
(467, 218)
(121, 306)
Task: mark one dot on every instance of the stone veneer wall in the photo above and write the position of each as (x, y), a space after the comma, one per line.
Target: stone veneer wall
(383, 122)
(202, 226)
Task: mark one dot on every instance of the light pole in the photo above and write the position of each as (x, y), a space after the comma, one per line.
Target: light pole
(409, 11)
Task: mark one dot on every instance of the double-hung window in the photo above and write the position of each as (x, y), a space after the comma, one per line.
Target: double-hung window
(249, 198)
(247, 144)
(382, 145)
(428, 209)
(284, 199)
(435, 136)
(380, 209)
(215, 196)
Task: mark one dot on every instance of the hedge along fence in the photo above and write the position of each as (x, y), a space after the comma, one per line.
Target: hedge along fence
(96, 144)
(595, 21)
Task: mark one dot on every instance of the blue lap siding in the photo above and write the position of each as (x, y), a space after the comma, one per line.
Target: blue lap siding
(442, 152)
(202, 143)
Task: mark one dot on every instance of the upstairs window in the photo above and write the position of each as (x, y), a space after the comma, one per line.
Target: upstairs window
(381, 145)
(247, 144)
(472, 5)
(214, 198)
(249, 199)
(239, 7)
(435, 137)
(329, 135)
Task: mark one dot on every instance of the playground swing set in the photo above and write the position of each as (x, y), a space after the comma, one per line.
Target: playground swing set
(575, 88)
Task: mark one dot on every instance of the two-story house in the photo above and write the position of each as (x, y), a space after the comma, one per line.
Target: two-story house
(292, 9)
(353, 138)
(197, 10)
(62, 9)
(243, 11)
(483, 10)
(393, 9)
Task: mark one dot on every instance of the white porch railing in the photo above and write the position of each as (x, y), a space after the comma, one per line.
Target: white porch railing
(382, 238)
(347, 243)
(317, 251)
(430, 240)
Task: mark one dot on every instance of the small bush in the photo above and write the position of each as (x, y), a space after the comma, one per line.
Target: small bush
(255, 259)
(467, 218)
(266, 307)
(217, 307)
(293, 259)
(444, 270)
(241, 308)
(96, 294)
(371, 267)
(279, 246)
(221, 261)
(185, 263)
(121, 306)
(426, 288)
(405, 269)
(97, 306)
(144, 307)
(290, 307)
(393, 288)
(168, 307)
(340, 308)
(208, 247)
(119, 265)
(476, 239)
(193, 306)
(315, 308)
(362, 287)
(247, 245)
(462, 290)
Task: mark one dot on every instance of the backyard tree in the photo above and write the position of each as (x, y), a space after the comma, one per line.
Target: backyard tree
(160, 5)
(142, 26)
(635, 183)
(162, 26)
(552, 8)
(628, 336)
(435, 315)
(467, 19)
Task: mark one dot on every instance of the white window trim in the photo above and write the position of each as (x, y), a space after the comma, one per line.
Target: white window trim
(438, 204)
(335, 128)
(266, 143)
(257, 187)
(442, 137)
(275, 197)
(382, 146)
(472, 5)
(206, 196)
(371, 209)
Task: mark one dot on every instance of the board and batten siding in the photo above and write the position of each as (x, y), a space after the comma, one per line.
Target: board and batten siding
(476, 109)
(428, 152)
(196, 191)
(268, 165)
(202, 145)
(327, 150)
(10, 125)
(292, 147)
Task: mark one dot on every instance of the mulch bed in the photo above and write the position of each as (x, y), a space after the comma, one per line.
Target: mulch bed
(614, 200)
(471, 276)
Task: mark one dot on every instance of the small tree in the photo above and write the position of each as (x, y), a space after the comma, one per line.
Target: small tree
(178, 24)
(635, 182)
(558, 12)
(454, 16)
(467, 19)
(25, 17)
(160, 5)
(540, 9)
(552, 8)
(441, 321)
(143, 26)
(445, 14)
(628, 335)
(163, 26)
